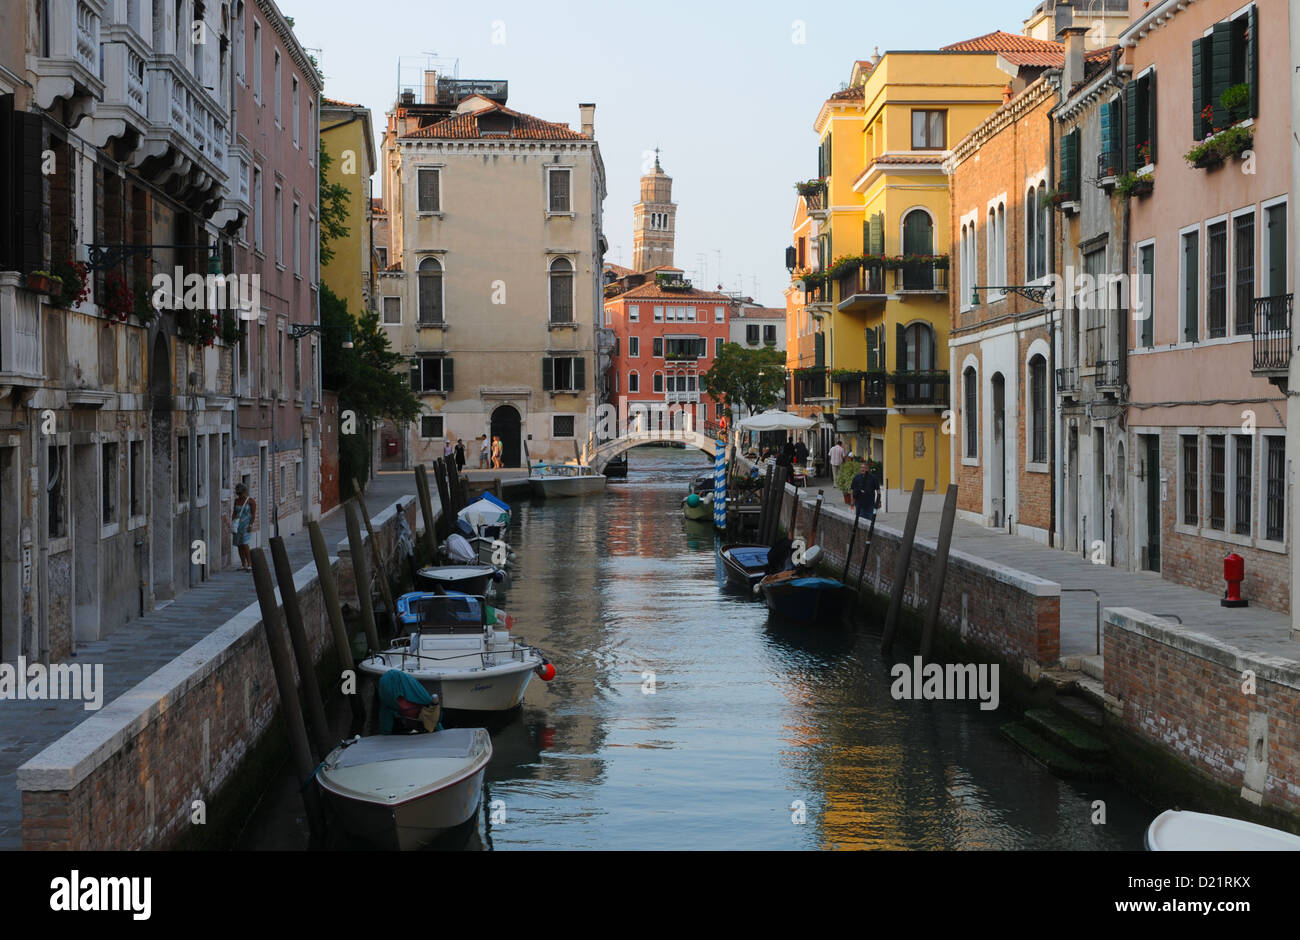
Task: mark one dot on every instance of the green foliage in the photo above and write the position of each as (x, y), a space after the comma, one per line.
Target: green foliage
(334, 199)
(1236, 99)
(844, 478)
(1214, 150)
(1130, 184)
(752, 377)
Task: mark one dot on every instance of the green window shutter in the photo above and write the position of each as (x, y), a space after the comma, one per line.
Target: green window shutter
(548, 374)
(1106, 129)
(1252, 59)
(1221, 45)
(830, 150)
(900, 350)
(579, 373)
(819, 350)
(1070, 164)
(1131, 159)
(1117, 131)
(878, 234)
(872, 361)
(1191, 289)
(1200, 65)
(1150, 96)
(448, 374)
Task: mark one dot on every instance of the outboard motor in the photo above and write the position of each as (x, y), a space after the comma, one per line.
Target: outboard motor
(811, 558)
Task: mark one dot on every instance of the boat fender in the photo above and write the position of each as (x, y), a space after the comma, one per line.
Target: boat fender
(546, 671)
(757, 589)
(693, 500)
(811, 557)
(498, 575)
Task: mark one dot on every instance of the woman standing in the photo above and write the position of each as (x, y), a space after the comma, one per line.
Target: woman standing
(460, 456)
(242, 519)
(496, 453)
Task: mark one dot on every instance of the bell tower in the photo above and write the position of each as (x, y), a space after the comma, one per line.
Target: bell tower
(654, 221)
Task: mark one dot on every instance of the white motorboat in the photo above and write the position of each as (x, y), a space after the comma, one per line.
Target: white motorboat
(553, 481)
(1182, 831)
(461, 650)
(401, 791)
(471, 579)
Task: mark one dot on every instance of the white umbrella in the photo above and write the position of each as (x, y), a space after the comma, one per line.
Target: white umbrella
(776, 421)
(483, 512)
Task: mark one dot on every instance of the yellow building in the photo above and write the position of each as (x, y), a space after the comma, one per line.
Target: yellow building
(346, 134)
(878, 286)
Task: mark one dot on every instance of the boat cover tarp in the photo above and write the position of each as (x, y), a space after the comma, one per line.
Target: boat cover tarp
(749, 557)
(395, 684)
(454, 742)
(459, 551)
(485, 511)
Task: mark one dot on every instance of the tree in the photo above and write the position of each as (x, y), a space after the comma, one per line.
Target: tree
(371, 380)
(751, 377)
(334, 199)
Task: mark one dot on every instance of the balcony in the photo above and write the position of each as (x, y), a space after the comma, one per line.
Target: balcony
(1271, 339)
(862, 288)
(1107, 375)
(1109, 167)
(238, 205)
(124, 111)
(927, 389)
(68, 69)
(921, 277)
(816, 198)
(185, 145)
(21, 362)
(861, 391)
(681, 398)
(1067, 381)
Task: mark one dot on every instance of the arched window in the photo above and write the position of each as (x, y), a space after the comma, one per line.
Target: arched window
(634, 381)
(561, 290)
(1044, 212)
(659, 382)
(918, 239)
(430, 287)
(971, 404)
(1038, 409)
(1002, 243)
(915, 354)
(991, 249)
(1031, 234)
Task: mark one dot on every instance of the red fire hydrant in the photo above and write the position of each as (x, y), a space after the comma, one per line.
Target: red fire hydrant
(1234, 572)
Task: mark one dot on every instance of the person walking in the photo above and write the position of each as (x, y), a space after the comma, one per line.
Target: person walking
(242, 519)
(460, 455)
(866, 491)
(483, 446)
(801, 453)
(837, 458)
(447, 449)
(496, 454)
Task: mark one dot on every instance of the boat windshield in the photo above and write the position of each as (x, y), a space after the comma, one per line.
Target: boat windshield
(435, 613)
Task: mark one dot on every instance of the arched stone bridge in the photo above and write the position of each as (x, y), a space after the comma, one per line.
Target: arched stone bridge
(603, 453)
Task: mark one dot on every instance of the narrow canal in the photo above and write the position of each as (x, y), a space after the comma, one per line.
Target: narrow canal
(683, 717)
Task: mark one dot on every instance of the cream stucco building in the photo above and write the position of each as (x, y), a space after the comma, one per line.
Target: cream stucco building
(494, 285)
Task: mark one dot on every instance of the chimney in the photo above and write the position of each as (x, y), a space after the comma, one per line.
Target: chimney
(1007, 94)
(1073, 37)
(875, 58)
(1063, 16)
(430, 87)
(588, 115)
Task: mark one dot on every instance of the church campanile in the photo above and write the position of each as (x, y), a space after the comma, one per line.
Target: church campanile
(655, 220)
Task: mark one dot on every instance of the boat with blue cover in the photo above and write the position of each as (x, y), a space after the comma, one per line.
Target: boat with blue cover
(798, 593)
(746, 564)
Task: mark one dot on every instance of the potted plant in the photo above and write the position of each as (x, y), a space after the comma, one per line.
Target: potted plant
(1130, 184)
(196, 327)
(232, 330)
(1236, 101)
(119, 299)
(144, 309)
(844, 477)
(1144, 152)
(810, 187)
(45, 282)
(76, 282)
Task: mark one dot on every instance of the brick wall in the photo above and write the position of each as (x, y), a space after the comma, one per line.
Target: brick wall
(1014, 616)
(127, 777)
(1183, 692)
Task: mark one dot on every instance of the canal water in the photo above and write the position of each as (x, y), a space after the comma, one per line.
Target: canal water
(683, 717)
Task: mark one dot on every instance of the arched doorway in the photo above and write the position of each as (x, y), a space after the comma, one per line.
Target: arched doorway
(160, 445)
(506, 425)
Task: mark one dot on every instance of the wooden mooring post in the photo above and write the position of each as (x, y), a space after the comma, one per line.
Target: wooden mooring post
(900, 570)
(853, 538)
(866, 550)
(381, 569)
(357, 552)
(282, 664)
(940, 571)
(318, 726)
(426, 508)
(334, 610)
(817, 515)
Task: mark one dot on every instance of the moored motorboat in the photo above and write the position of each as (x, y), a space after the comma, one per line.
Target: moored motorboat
(553, 481)
(797, 593)
(401, 791)
(746, 564)
(698, 507)
(468, 579)
(616, 468)
(461, 649)
(1182, 831)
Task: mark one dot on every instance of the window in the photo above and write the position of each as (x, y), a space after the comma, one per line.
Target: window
(928, 130)
(201, 469)
(1145, 285)
(110, 479)
(258, 209)
(558, 186)
(633, 347)
(428, 184)
(297, 478)
(1243, 253)
(1140, 109)
(562, 425)
(1275, 489)
(918, 239)
(279, 226)
(276, 78)
(430, 426)
(769, 335)
(659, 314)
(1217, 474)
(751, 334)
(311, 131)
(717, 346)
(1191, 288)
(257, 61)
(296, 113)
(633, 382)
(970, 401)
(430, 291)
(1244, 477)
(1274, 268)
(135, 469)
(1031, 234)
(659, 382)
(634, 314)
(383, 258)
(658, 344)
(225, 461)
(1044, 213)
(1069, 187)
(561, 277)
(431, 374)
(297, 242)
(182, 469)
(1228, 56)
(564, 373)
(1191, 491)
(57, 491)
(1038, 409)
(720, 314)
(392, 310)
(1216, 276)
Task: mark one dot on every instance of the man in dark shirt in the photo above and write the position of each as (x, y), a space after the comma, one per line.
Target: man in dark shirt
(801, 453)
(866, 491)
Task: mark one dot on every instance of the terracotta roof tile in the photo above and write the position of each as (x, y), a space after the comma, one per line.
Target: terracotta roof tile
(1023, 50)
(524, 127)
(856, 93)
(916, 159)
(335, 103)
(652, 291)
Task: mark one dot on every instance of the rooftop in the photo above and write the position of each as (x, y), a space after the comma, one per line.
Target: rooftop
(496, 121)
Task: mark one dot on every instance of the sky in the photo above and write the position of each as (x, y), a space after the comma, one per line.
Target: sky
(728, 90)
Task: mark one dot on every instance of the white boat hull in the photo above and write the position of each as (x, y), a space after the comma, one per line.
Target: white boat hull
(562, 487)
(492, 689)
(1183, 831)
(406, 803)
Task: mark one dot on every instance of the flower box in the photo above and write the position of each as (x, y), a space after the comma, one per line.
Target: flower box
(43, 282)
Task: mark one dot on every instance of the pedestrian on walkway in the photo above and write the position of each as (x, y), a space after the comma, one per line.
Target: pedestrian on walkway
(866, 491)
(447, 449)
(242, 518)
(483, 446)
(460, 455)
(496, 454)
(837, 458)
(801, 453)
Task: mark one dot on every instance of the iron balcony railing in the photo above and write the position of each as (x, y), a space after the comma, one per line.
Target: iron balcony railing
(862, 390)
(867, 280)
(921, 388)
(1108, 165)
(1107, 375)
(922, 276)
(1067, 380)
(1272, 335)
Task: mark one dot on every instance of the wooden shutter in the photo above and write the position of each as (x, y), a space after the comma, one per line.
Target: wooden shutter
(548, 374)
(427, 180)
(819, 350)
(1200, 66)
(1106, 129)
(1131, 158)
(579, 373)
(1252, 59)
(900, 337)
(448, 375)
(878, 234)
(1150, 79)
(1221, 46)
(872, 360)
(559, 190)
(29, 199)
(1070, 164)
(415, 375)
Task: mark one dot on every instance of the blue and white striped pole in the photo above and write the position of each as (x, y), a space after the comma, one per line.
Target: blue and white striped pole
(720, 485)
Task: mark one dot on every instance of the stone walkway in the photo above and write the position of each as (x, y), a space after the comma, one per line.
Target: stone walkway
(140, 647)
(1251, 629)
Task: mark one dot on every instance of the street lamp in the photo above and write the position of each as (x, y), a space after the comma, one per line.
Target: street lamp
(299, 330)
(1034, 293)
